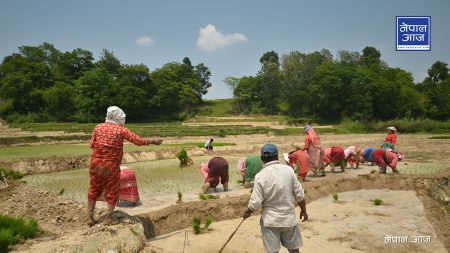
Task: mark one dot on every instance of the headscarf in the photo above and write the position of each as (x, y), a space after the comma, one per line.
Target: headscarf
(400, 155)
(350, 151)
(115, 115)
(312, 134)
(392, 128)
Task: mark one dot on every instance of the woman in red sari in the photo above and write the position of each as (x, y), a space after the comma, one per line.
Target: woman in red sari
(128, 186)
(314, 149)
(107, 151)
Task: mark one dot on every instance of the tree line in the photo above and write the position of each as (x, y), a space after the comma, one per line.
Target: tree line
(317, 86)
(41, 83)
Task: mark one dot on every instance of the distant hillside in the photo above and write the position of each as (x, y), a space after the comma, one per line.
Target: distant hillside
(217, 108)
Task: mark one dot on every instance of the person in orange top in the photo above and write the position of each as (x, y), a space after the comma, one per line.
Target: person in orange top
(299, 161)
(391, 137)
(314, 149)
(104, 167)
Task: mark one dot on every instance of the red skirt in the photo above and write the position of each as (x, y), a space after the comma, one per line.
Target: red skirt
(104, 180)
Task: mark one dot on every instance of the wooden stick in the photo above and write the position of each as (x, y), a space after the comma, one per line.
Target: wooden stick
(231, 236)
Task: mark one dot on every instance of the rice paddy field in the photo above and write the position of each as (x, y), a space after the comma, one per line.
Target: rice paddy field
(154, 178)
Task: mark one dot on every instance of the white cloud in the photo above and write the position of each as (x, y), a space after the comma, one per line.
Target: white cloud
(144, 41)
(211, 40)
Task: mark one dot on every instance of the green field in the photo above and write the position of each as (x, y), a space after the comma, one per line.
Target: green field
(22, 152)
(154, 177)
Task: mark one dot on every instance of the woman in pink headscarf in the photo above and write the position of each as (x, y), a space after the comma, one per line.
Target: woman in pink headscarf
(314, 149)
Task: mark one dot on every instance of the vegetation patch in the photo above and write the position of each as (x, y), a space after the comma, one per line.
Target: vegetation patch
(185, 160)
(335, 196)
(6, 173)
(207, 196)
(196, 224)
(377, 201)
(12, 230)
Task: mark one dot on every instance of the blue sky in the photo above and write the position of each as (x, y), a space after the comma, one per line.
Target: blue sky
(228, 36)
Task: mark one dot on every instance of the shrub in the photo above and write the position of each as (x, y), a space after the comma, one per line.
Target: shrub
(335, 196)
(377, 201)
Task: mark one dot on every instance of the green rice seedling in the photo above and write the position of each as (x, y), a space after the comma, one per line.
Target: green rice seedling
(335, 196)
(207, 196)
(6, 238)
(11, 227)
(184, 158)
(239, 181)
(373, 171)
(61, 191)
(208, 222)
(377, 201)
(196, 225)
(180, 195)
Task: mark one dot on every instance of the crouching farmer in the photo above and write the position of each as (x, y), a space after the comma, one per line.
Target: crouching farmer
(249, 167)
(334, 156)
(275, 189)
(384, 158)
(214, 172)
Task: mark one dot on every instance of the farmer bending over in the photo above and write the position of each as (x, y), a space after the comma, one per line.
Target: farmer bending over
(217, 172)
(275, 189)
(384, 158)
(249, 167)
(299, 161)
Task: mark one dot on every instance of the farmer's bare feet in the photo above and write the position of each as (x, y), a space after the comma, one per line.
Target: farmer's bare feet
(90, 221)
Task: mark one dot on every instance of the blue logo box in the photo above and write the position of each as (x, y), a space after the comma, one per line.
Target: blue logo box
(413, 33)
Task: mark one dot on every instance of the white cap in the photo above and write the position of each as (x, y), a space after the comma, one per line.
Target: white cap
(392, 128)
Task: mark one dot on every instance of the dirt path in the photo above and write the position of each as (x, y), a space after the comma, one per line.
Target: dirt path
(353, 224)
(434, 199)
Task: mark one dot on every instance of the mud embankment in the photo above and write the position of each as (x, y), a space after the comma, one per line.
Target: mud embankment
(62, 163)
(432, 190)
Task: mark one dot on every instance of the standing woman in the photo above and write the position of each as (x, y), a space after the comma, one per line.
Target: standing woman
(107, 151)
(314, 149)
(392, 136)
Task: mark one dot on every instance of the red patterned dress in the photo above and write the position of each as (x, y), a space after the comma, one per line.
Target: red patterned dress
(107, 151)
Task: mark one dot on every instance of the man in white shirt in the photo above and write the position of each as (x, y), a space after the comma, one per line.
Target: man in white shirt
(275, 189)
